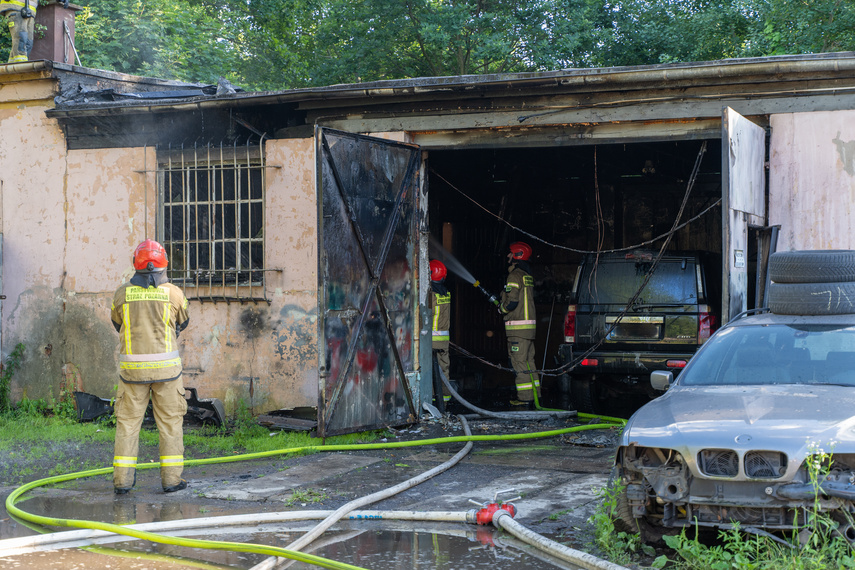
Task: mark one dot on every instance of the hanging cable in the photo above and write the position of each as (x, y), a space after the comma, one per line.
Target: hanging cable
(582, 251)
(668, 236)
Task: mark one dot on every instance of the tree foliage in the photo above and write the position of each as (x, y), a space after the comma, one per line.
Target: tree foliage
(174, 39)
(279, 44)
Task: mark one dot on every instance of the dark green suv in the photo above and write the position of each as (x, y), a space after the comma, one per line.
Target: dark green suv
(611, 346)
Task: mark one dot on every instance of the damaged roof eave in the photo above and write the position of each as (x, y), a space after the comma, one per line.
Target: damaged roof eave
(776, 70)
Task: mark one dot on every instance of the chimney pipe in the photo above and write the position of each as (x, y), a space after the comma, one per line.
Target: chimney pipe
(54, 37)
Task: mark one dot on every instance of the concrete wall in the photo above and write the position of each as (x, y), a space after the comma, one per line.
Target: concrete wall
(70, 222)
(266, 355)
(33, 193)
(812, 179)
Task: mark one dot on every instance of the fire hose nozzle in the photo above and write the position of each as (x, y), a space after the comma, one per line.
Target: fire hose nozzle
(491, 298)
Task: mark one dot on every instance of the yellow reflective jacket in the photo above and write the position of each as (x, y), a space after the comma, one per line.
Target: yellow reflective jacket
(517, 303)
(440, 310)
(146, 319)
(6, 5)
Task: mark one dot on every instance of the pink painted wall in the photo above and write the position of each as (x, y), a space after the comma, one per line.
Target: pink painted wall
(33, 194)
(266, 355)
(70, 222)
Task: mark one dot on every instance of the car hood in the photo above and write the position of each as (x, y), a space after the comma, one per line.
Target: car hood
(780, 417)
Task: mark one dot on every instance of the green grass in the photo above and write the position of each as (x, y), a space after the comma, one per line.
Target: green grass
(35, 443)
(25, 428)
(305, 496)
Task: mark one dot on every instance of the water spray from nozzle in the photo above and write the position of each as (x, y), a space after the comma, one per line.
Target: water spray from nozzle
(491, 297)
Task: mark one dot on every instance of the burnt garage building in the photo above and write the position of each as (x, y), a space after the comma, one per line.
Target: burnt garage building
(300, 222)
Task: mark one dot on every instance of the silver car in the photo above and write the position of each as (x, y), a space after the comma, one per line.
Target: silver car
(730, 439)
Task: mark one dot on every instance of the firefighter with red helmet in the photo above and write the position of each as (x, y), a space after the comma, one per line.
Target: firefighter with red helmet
(440, 310)
(149, 312)
(517, 309)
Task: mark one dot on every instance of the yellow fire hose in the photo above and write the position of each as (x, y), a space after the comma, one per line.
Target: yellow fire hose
(16, 495)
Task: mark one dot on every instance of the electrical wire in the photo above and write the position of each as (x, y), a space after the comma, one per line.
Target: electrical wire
(581, 251)
(574, 362)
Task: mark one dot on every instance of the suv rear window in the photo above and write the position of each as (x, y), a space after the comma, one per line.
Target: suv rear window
(615, 282)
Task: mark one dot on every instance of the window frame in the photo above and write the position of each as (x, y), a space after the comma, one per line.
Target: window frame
(213, 181)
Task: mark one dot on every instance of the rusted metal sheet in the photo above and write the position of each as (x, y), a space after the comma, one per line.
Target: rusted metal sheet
(812, 179)
(743, 197)
(368, 299)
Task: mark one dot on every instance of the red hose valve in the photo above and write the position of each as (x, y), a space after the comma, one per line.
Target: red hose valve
(485, 515)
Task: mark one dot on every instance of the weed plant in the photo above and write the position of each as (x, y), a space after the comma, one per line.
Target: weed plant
(620, 547)
(306, 496)
(815, 546)
(13, 362)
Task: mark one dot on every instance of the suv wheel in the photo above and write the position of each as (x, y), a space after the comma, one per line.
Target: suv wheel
(584, 392)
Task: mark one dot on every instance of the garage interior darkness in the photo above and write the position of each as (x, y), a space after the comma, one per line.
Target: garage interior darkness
(570, 199)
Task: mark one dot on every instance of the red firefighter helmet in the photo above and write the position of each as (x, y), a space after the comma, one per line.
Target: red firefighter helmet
(150, 255)
(437, 270)
(520, 250)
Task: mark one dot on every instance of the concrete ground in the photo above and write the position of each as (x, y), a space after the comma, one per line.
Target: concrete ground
(557, 478)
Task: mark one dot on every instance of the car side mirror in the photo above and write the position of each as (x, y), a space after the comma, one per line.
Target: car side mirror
(661, 380)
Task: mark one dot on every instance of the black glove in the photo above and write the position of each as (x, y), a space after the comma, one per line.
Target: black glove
(65, 4)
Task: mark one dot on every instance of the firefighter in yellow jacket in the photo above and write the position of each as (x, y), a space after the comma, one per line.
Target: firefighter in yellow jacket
(517, 308)
(149, 312)
(20, 18)
(440, 310)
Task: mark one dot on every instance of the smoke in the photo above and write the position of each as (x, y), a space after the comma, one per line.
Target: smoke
(451, 263)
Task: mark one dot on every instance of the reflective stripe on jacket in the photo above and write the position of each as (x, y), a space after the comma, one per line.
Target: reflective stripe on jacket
(517, 303)
(6, 5)
(146, 318)
(440, 306)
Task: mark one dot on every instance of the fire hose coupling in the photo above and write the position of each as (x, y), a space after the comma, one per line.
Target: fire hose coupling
(492, 298)
(484, 516)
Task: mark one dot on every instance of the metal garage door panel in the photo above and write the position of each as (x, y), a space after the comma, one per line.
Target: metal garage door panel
(368, 300)
(744, 203)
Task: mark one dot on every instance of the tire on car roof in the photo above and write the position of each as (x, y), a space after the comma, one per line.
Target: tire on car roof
(812, 266)
(834, 298)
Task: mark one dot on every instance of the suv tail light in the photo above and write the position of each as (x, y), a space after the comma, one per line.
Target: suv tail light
(570, 324)
(707, 323)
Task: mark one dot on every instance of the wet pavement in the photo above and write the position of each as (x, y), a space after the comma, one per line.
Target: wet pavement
(557, 479)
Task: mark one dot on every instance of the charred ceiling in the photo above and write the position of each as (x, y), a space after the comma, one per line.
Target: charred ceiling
(102, 110)
(177, 127)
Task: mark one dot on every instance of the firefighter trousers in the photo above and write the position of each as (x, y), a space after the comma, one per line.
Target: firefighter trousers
(21, 30)
(521, 352)
(169, 406)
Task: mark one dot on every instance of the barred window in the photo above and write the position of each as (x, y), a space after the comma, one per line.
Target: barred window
(212, 218)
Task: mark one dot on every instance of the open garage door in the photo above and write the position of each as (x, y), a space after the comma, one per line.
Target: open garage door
(743, 204)
(367, 294)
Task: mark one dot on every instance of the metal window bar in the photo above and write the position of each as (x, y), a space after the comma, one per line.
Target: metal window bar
(212, 211)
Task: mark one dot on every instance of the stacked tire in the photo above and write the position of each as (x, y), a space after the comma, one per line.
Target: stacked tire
(812, 282)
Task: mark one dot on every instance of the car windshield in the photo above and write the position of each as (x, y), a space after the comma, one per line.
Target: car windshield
(775, 354)
(616, 282)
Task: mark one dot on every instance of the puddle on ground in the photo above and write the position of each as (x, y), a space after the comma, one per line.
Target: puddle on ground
(403, 547)
(374, 545)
